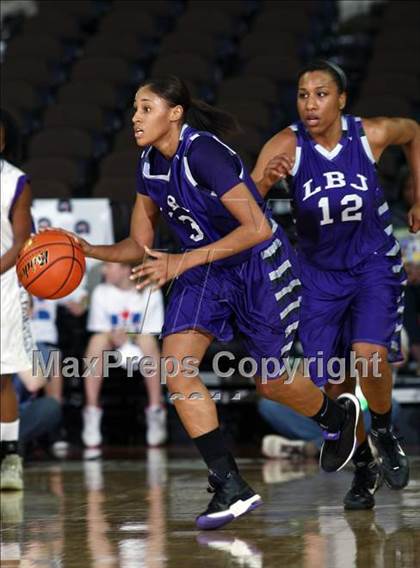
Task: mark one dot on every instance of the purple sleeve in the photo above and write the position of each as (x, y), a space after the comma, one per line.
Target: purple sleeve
(18, 191)
(141, 187)
(213, 166)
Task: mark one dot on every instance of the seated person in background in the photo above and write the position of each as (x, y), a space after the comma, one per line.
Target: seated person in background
(410, 249)
(117, 313)
(40, 415)
(45, 335)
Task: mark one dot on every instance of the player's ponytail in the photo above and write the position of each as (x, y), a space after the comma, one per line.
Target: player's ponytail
(198, 114)
(203, 116)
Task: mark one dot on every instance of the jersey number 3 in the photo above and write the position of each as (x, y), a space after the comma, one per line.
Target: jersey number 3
(180, 214)
(350, 213)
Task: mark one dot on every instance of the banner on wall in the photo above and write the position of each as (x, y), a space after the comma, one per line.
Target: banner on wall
(89, 218)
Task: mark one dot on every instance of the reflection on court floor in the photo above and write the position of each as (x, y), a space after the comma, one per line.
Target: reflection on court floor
(140, 513)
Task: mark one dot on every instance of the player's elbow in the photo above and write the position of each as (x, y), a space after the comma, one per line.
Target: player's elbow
(265, 232)
(259, 234)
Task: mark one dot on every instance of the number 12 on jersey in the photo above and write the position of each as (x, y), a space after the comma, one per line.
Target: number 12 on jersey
(351, 212)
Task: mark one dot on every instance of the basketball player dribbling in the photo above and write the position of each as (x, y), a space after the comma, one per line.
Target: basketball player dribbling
(16, 224)
(236, 271)
(351, 269)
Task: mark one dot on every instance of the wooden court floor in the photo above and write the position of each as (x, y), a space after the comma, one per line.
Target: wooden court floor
(134, 513)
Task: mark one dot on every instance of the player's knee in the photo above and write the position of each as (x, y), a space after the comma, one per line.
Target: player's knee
(176, 386)
(371, 361)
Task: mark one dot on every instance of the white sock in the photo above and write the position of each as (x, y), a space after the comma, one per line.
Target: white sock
(9, 431)
(10, 551)
(154, 407)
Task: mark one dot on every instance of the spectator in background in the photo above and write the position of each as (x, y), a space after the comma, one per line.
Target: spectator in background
(45, 334)
(122, 318)
(40, 414)
(410, 248)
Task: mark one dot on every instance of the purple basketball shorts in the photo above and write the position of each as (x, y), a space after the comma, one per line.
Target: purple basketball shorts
(339, 308)
(259, 298)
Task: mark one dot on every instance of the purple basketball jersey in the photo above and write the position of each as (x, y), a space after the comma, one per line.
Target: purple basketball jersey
(195, 212)
(341, 213)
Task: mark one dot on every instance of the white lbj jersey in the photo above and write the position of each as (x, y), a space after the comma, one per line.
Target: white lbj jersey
(13, 355)
(12, 183)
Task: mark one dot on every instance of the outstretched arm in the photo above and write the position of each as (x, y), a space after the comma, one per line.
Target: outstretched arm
(275, 160)
(382, 132)
(130, 250)
(142, 231)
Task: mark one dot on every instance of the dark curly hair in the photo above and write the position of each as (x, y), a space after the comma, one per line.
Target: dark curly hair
(13, 141)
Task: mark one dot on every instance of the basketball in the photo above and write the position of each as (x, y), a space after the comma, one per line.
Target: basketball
(50, 265)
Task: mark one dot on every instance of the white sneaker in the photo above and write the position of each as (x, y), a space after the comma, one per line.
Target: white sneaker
(245, 553)
(157, 472)
(274, 446)
(60, 449)
(11, 478)
(92, 453)
(156, 426)
(94, 479)
(91, 434)
(11, 509)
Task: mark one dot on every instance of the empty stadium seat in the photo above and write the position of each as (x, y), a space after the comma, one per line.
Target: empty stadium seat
(199, 69)
(79, 115)
(116, 188)
(21, 94)
(115, 70)
(98, 93)
(253, 87)
(275, 67)
(36, 45)
(61, 142)
(35, 71)
(63, 170)
(49, 188)
(120, 164)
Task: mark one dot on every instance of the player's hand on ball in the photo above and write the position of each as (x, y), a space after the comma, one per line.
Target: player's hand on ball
(158, 269)
(414, 218)
(84, 245)
(278, 168)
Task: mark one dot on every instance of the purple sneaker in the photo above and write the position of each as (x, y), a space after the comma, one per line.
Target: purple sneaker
(232, 498)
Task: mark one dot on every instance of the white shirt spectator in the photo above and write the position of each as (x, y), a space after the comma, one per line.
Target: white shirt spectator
(44, 314)
(114, 308)
(44, 328)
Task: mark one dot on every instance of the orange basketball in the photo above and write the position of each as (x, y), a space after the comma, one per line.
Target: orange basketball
(50, 265)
